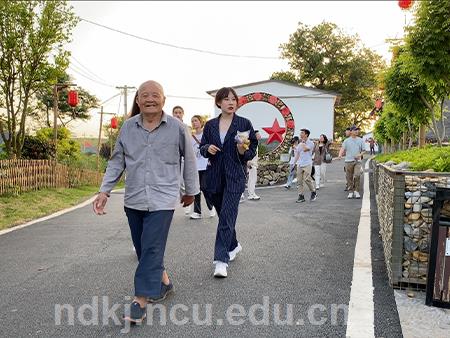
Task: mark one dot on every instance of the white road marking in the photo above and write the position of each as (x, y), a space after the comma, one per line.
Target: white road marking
(360, 321)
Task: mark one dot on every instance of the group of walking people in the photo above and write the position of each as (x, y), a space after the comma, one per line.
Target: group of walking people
(157, 151)
(167, 163)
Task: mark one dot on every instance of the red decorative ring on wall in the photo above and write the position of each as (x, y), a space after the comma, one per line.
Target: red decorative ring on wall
(285, 113)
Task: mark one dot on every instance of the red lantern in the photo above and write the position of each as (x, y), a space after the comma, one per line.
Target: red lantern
(72, 98)
(405, 4)
(378, 104)
(114, 123)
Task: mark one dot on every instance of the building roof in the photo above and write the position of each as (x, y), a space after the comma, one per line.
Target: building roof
(287, 83)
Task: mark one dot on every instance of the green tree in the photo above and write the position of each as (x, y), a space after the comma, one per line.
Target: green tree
(32, 34)
(390, 127)
(429, 39)
(428, 42)
(325, 58)
(405, 90)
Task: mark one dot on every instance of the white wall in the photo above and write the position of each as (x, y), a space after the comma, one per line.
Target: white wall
(314, 110)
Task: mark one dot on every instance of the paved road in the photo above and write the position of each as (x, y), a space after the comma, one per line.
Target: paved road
(297, 257)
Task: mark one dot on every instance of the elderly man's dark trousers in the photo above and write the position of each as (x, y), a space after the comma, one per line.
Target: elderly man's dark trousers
(149, 231)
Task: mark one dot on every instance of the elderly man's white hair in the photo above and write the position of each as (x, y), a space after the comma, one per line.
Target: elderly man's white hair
(157, 84)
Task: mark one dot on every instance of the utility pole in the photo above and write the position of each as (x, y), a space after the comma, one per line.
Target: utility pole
(100, 136)
(125, 96)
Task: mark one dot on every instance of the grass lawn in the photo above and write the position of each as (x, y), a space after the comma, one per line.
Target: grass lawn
(19, 209)
(429, 157)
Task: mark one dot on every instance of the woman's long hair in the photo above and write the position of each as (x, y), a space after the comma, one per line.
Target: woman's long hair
(325, 138)
(135, 108)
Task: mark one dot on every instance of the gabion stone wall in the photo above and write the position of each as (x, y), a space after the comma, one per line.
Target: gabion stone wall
(405, 201)
(420, 193)
(385, 203)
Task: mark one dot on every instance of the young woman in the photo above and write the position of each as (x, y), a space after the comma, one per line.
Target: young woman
(292, 165)
(226, 174)
(321, 148)
(197, 133)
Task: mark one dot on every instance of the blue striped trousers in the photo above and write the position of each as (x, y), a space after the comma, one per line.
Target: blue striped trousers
(226, 204)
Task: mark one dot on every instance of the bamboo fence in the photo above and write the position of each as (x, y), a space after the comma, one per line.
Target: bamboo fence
(17, 176)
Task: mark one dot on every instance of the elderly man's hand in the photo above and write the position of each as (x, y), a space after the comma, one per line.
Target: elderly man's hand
(99, 203)
(187, 200)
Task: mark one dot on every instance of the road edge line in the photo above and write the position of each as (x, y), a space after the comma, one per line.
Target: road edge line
(361, 314)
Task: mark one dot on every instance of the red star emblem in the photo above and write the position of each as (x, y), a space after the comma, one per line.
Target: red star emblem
(275, 132)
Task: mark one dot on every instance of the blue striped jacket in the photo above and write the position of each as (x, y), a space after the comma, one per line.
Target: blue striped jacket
(227, 168)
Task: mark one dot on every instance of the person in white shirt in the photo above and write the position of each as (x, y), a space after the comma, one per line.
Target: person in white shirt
(304, 161)
(202, 162)
(252, 166)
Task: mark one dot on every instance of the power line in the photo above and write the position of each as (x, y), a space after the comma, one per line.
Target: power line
(79, 70)
(87, 69)
(120, 101)
(89, 78)
(180, 47)
(112, 97)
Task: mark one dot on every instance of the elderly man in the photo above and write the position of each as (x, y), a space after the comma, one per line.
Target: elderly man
(149, 147)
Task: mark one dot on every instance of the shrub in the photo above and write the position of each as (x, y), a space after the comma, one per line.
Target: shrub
(429, 157)
(67, 150)
(105, 151)
(35, 148)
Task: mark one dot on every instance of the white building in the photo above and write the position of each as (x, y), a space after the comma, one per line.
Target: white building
(311, 108)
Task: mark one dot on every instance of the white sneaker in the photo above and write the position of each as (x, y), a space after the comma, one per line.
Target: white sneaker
(212, 212)
(253, 197)
(187, 210)
(196, 215)
(350, 195)
(221, 269)
(242, 198)
(233, 253)
(357, 195)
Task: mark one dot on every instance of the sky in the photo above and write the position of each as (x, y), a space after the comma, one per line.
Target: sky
(103, 59)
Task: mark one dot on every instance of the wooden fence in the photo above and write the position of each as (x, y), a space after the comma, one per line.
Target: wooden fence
(17, 176)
